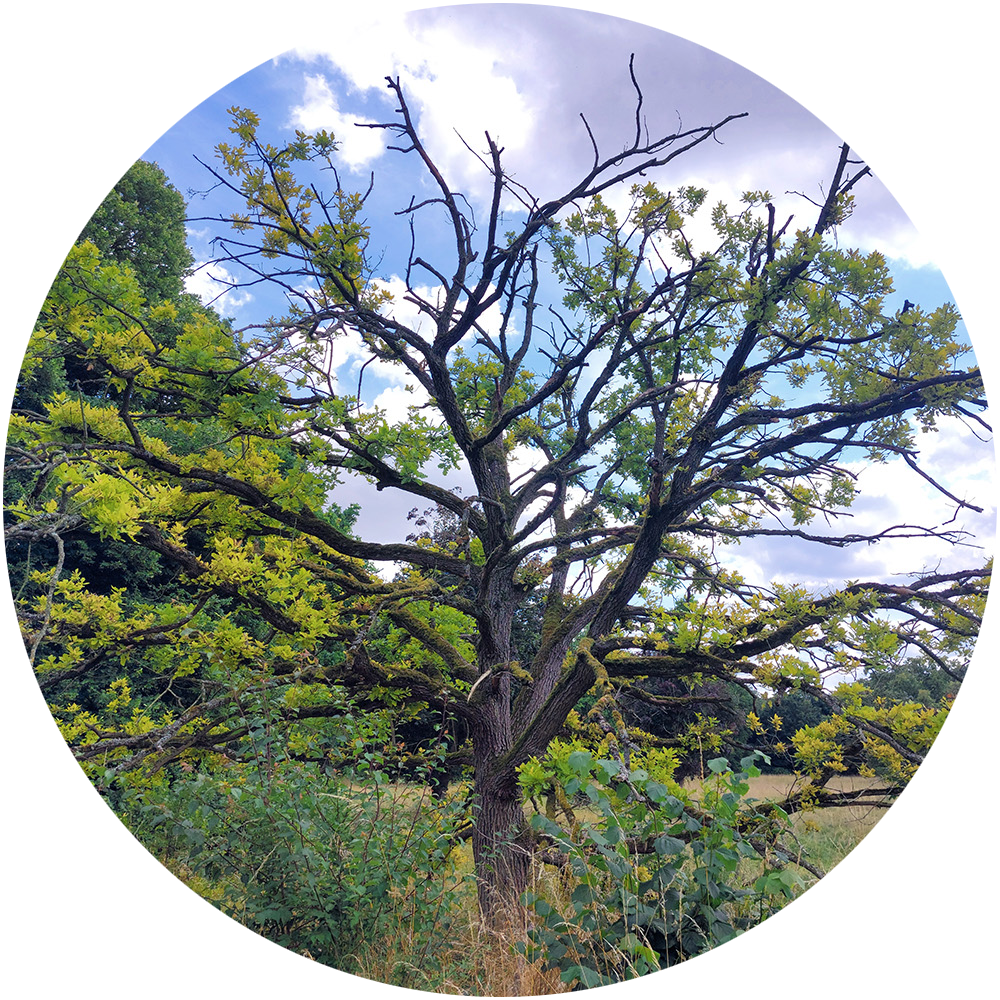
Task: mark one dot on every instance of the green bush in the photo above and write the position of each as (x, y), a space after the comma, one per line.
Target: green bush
(656, 880)
(319, 865)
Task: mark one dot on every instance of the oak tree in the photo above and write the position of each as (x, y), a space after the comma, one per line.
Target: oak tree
(624, 398)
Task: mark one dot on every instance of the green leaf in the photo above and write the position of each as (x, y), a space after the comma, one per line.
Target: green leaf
(665, 844)
(597, 837)
(588, 977)
(580, 761)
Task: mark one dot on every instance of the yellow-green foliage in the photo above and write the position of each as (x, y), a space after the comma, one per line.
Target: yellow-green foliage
(906, 726)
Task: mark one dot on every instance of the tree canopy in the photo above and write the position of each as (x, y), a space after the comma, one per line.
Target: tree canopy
(141, 224)
(625, 400)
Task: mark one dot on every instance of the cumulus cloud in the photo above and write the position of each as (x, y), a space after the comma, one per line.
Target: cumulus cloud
(528, 74)
(897, 241)
(890, 494)
(320, 109)
(217, 287)
(395, 402)
(460, 94)
(454, 81)
(405, 308)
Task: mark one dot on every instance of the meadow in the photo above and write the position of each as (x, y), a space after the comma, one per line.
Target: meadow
(462, 957)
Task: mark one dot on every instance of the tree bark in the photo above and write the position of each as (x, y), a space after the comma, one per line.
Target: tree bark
(501, 843)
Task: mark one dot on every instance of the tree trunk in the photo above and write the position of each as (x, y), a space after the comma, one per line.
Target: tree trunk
(501, 848)
(501, 844)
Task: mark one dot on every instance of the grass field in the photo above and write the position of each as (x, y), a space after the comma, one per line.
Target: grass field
(467, 959)
(827, 835)
(483, 963)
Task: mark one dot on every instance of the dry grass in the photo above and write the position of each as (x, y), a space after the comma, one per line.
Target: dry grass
(826, 835)
(471, 960)
(771, 787)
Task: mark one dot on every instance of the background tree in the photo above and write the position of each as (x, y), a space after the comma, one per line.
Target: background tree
(137, 239)
(668, 395)
(141, 223)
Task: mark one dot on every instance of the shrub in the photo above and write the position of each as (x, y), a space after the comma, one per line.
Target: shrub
(319, 865)
(657, 880)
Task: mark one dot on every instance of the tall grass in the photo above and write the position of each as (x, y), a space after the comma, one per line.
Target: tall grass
(462, 957)
(825, 835)
(479, 962)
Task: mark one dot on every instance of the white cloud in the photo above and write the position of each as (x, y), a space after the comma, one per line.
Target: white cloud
(897, 241)
(890, 494)
(791, 177)
(453, 84)
(404, 308)
(217, 287)
(459, 94)
(395, 402)
(527, 76)
(320, 110)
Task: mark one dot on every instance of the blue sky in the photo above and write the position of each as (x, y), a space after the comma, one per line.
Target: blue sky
(525, 74)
